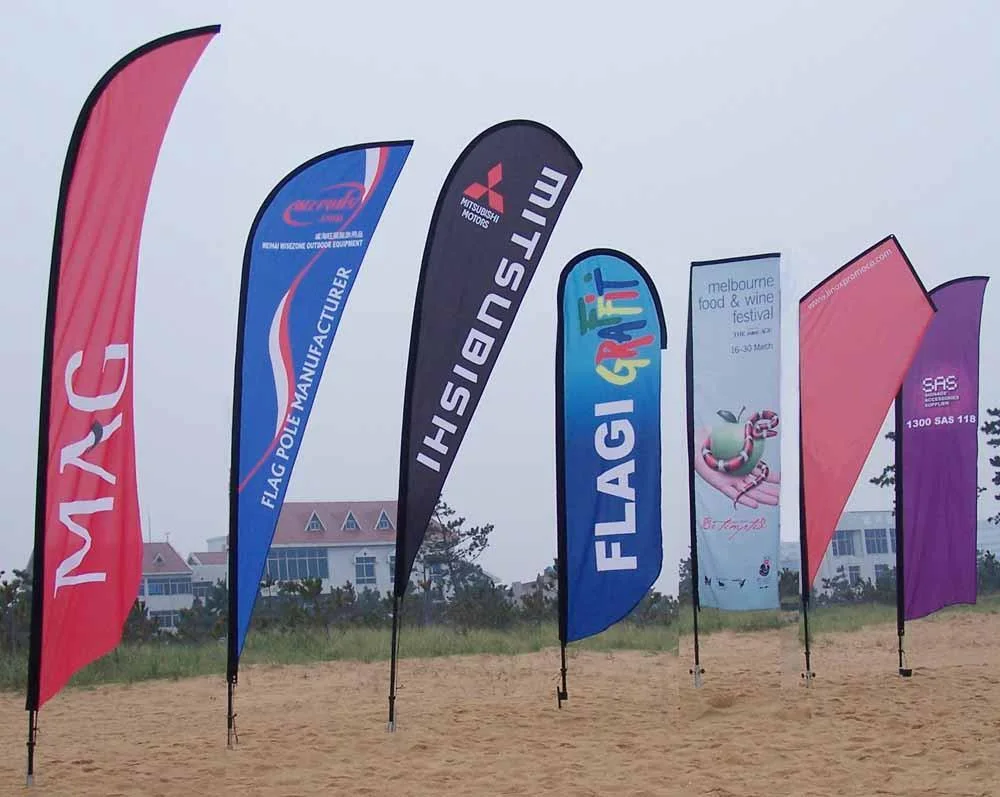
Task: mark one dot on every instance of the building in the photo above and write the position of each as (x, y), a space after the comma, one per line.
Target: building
(337, 541)
(166, 586)
(864, 544)
(545, 582)
(207, 569)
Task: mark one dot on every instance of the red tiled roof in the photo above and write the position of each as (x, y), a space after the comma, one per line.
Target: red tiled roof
(295, 517)
(170, 560)
(209, 558)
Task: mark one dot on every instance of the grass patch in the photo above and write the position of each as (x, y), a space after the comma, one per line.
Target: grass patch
(847, 618)
(844, 619)
(132, 663)
(624, 636)
(712, 620)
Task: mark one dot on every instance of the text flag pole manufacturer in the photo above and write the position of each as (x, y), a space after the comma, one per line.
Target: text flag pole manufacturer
(303, 254)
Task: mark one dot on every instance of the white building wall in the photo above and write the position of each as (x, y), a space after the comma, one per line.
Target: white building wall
(161, 603)
(209, 573)
(342, 559)
(988, 539)
(854, 524)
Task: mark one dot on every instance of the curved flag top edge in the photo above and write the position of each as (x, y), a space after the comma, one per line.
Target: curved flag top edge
(506, 192)
(937, 421)
(876, 296)
(608, 374)
(88, 553)
(304, 252)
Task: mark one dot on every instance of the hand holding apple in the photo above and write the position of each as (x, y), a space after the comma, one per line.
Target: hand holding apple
(740, 489)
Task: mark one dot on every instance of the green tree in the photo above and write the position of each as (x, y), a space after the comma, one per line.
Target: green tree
(788, 586)
(542, 603)
(988, 572)
(838, 589)
(15, 610)
(198, 624)
(450, 549)
(481, 605)
(887, 478)
(685, 594)
(139, 627)
(206, 619)
(655, 608)
(882, 591)
(991, 428)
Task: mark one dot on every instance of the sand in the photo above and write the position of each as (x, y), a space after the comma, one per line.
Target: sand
(487, 725)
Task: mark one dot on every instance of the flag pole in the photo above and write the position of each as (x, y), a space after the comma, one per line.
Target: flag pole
(697, 671)
(396, 605)
(904, 671)
(562, 693)
(32, 734)
(562, 574)
(808, 674)
(33, 702)
(233, 574)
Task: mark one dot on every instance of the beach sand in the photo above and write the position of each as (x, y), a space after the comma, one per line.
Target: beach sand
(488, 725)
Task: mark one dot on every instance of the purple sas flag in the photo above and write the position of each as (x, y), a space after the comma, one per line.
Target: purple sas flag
(937, 428)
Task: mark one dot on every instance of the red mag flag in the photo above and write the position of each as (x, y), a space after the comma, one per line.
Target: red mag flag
(88, 542)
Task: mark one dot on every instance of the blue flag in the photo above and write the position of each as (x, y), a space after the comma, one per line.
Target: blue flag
(611, 333)
(303, 254)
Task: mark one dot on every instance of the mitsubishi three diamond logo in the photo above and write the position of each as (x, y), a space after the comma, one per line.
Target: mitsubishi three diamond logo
(474, 209)
(493, 197)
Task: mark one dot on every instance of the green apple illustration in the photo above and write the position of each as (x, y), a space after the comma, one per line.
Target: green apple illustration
(728, 439)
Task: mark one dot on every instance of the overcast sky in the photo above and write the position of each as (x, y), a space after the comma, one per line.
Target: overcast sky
(705, 130)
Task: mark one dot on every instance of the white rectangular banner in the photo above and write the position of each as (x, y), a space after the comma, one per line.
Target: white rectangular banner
(733, 388)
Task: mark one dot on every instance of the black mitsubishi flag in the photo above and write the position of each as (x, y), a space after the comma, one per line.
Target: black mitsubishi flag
(493, 219)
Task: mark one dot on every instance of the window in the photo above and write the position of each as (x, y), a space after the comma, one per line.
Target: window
(881, 572)
(843, 543)
(892, 540)
(875, 541)
(169, 585)
(350, 523)
(437, 572)
(293, 564)
(166, 619)
(383, 523)
(854, 575)
(315, 524)
(392, 566)
(364, 571)
(142, 587)
(201, 589)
